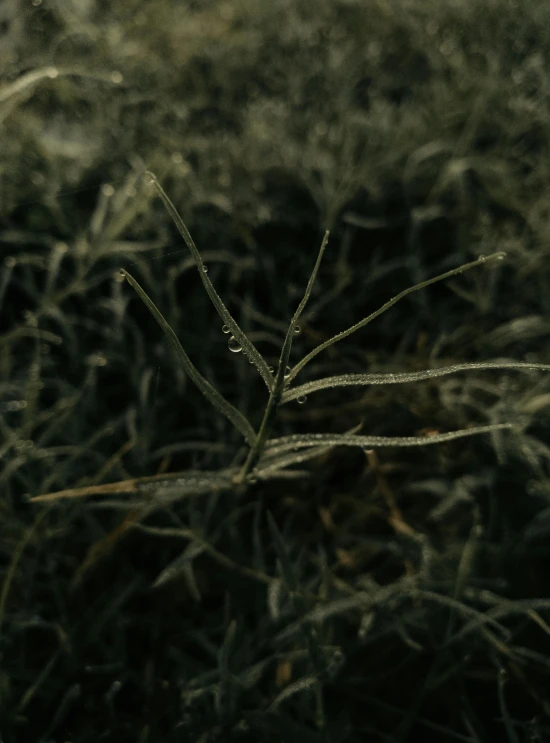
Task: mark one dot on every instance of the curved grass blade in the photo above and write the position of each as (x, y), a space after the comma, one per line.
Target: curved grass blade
(210, 392)
(361, 324)
(272, 465)
(248, 347)
(358, 380)
(301, 441)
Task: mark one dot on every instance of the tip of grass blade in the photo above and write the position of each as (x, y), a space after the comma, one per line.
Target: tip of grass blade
(150, 177)
(498, 256)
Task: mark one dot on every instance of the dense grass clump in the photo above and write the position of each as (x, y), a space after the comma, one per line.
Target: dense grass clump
(277, 558)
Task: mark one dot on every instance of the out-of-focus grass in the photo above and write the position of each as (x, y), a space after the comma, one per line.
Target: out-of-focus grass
(416, 132)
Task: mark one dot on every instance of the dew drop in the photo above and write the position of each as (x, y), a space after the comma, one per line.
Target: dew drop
(271, 369)
(204, 269)
(250, 360)
(234, 345)
(107, 189)
(482, 258)
(287, 372)
(297, 330)
(122, 273)
(301, 400)
(226, 329)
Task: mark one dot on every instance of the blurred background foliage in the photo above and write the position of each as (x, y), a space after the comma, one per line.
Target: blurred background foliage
(418, 133)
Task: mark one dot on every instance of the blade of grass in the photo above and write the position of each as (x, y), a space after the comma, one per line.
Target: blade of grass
(10, 573)
(357, 380)
(300, 441)
(194, 480)
(287, 345)
(248, 347)
(211, 394)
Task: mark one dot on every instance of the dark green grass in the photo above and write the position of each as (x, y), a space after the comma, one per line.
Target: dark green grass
(393, 596)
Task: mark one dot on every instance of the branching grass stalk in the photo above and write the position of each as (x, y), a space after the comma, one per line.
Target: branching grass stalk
(269, 457)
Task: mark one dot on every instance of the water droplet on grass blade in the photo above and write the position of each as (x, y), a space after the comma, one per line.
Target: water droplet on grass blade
(287, 372)
(234, 345)
(297, 330)
(301, 400)
(226, 329)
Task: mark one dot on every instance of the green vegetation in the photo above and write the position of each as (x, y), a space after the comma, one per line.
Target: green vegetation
(277, 558)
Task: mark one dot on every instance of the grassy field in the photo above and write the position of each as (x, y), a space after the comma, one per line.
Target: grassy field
(233, 550)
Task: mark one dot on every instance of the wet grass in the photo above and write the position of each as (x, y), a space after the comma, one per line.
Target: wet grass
(196, 575)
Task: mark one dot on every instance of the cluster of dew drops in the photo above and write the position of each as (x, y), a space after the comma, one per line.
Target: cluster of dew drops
(235, 347)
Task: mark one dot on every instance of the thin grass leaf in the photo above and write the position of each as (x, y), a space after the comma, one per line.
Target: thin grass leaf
(211, 394)
(272, 465)
(190, 482)
(177, 566)
(300, 441)
(506, 717)
(303, 684)
(287, 345)
(361, 324)
(248, 347)
(16, 557)
(287, 569)
(225, 698)
(296, 596)
(358, 380)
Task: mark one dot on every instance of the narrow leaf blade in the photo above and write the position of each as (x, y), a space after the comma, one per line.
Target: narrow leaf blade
(359, 380)
(249, 348)
(210, 392)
